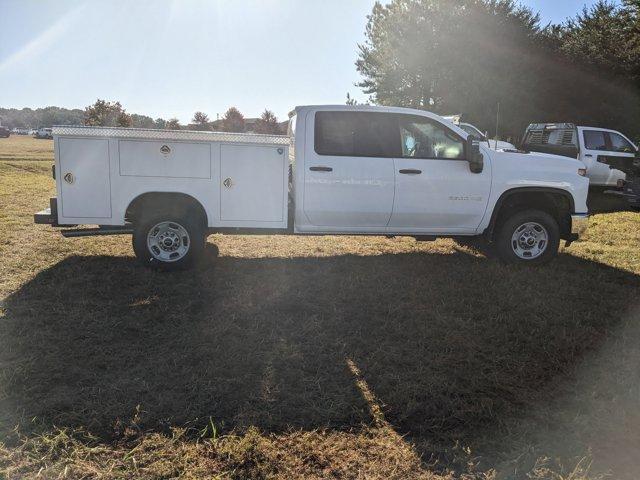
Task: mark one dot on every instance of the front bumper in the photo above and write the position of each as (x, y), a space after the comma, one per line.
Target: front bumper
(630, 191)
(579, 224)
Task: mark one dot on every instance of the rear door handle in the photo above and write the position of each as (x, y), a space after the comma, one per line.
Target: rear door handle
(411, 171)
(321, 169)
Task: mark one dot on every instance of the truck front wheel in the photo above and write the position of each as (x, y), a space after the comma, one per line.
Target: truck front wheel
(168, 243)
(528, 237)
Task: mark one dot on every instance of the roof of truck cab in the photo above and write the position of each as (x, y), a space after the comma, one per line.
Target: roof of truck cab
(375, 108)
(599, 128)
(367, 108)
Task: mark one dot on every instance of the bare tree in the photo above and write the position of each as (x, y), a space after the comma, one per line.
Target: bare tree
(172, 124)
(201, 121)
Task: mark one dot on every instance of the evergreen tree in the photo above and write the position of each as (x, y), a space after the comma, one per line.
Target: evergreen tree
(106, 114)
(267, 123)
(233, 121)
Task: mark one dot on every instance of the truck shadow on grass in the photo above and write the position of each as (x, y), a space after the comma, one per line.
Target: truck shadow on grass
(448, 344)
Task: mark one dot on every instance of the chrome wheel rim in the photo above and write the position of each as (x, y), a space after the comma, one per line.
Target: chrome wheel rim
(168, 241)
(530, 240)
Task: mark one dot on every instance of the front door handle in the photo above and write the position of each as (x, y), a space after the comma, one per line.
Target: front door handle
(411, 171)
(321, 169)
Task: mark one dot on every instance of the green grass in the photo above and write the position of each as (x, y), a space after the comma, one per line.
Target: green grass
(296, 357)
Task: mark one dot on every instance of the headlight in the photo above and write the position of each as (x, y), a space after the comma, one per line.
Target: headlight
(582, 172)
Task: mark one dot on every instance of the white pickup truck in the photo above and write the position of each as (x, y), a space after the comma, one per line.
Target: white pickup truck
(341, 170)
(475, 131)
(593, 146)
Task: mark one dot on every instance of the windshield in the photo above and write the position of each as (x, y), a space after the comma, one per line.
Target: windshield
(471, 130)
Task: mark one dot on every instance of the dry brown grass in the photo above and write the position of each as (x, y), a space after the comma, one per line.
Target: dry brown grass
(332, 357)
(25, 147)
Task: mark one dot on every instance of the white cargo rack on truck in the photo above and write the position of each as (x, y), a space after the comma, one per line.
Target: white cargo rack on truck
(341, 170)
(102, 170)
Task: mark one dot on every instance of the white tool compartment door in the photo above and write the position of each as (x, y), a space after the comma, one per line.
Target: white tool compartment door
(253, 190)
(84, 178)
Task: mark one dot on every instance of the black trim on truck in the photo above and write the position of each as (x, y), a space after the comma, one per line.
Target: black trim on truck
(509, 193)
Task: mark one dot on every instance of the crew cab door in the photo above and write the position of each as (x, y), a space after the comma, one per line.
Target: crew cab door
(597, 144)
(349, 169)
(436, 192)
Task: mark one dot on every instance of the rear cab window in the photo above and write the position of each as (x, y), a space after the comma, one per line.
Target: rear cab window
(595, 140)
(356, 134)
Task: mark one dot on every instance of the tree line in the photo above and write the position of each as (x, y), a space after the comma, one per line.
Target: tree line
(113, 114)
(469, 56)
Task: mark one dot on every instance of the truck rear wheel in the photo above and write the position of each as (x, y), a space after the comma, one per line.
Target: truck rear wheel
(168, 242)
(528, 237)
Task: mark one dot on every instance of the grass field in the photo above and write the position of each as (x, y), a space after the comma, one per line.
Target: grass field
(333, 357)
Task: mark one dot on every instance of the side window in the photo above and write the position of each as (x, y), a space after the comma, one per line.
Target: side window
(620, 144)
(595, 140)
(334, 134)
(426, 138)
(356, 134)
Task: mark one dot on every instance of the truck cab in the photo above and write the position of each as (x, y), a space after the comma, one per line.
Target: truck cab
(355, 170)
(591, 145)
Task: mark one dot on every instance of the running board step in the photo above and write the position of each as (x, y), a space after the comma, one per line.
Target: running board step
(93, 232)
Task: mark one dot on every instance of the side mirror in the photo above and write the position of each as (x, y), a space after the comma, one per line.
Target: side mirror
(474, 157)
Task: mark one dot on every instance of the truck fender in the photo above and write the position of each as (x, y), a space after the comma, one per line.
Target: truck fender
(514, 191)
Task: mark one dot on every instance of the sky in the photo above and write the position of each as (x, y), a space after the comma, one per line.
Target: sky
(170, 58)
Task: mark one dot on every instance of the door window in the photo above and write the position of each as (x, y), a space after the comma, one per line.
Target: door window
(356, 134)
(620, 144)
(424, 138)
(595, 140)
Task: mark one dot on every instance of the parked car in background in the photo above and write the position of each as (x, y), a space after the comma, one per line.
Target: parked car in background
(475, 131)
(342, 170)
(591, 145)
(4, 132)
(44, 132)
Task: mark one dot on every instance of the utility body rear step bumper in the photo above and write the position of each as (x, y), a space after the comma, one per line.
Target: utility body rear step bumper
(48, 216)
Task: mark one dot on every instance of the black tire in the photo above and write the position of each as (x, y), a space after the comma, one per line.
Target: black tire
(506, 249)
(194, 241)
